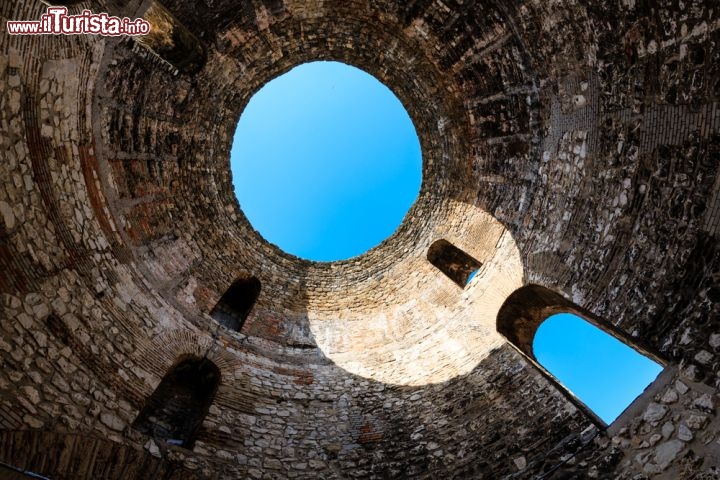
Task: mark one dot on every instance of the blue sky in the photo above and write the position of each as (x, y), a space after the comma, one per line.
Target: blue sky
(325, 161)
(604, 373)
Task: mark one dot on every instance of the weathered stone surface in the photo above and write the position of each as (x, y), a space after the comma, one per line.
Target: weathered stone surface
(705, 403)
(112, 421)
(655, 412)
(32, 394)
(665, 453)
(32, 422)
(667, 430)
(8, 215)
(560, 149)
(670, 396)
(684, 433)
(696, 421)
(152, 447)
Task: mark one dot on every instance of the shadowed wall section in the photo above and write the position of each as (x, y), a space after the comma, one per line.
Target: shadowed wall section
(559, 149)
(172, 41)
(177, 407)
(453, 262)
(234, 306)
(64, 456)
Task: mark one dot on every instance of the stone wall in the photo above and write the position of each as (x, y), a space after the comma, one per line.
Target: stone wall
(572, 145)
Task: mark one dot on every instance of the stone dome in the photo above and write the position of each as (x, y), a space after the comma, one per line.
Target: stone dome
(570, 159)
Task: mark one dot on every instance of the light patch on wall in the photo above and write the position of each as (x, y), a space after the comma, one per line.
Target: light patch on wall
(427, 331)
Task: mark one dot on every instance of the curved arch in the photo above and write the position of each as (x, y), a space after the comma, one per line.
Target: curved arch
(528, 307)
(524, 310)
(236, 303)
(457, 265)
(81, 457)
(178, 406)
(164, 350)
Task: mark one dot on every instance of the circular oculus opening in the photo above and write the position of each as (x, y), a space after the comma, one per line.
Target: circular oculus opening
(325, 161)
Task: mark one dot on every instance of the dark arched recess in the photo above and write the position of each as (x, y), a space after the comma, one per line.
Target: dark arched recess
(177, 407)
(236, 303)
(457, 265)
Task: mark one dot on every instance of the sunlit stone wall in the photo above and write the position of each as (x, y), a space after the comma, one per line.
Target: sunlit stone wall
(568, 144)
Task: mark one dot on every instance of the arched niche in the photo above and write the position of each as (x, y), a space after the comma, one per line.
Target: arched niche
(457, 265)
(178, 406)
(236, 303)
